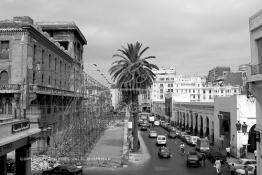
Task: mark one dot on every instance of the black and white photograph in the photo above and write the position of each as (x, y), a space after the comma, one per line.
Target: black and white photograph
(131, 87)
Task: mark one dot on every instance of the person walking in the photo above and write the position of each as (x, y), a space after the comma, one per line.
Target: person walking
(232, 169)
(255, 154)
(218, 166)
(203, 158)
(246, 170)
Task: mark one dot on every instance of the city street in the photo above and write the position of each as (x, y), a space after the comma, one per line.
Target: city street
(177, 164)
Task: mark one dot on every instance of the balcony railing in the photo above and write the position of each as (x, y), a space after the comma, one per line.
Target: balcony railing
(50, 90)
(256, 69)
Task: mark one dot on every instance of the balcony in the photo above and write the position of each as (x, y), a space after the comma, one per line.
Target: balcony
(255, 73)
(10, 88)
(256, 69)
(49, 90)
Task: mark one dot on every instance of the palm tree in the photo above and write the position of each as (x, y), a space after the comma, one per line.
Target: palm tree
(133, 75)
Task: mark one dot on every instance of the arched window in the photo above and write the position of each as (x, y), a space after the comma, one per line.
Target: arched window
(3, 78)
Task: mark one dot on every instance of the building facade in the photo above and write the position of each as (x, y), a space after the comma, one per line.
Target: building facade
(255, 77)
(41, 76)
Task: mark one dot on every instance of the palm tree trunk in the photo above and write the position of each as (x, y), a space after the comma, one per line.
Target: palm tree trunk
(135, 120)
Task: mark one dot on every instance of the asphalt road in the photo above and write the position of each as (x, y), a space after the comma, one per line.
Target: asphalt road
(175, 165)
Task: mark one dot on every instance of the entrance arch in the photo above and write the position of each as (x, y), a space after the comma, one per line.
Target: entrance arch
(3, 78)
(252, 139)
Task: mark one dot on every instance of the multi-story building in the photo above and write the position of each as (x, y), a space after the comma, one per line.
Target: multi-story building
(217, 74)
(116, 96)
(193, 89)
(41, 75)
(255, 78)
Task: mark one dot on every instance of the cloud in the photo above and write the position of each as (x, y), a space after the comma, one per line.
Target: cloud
(192, 36)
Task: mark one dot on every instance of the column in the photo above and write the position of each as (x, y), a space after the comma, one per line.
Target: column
(23, 160)
(3, 165)
(204, 126)
(198, 124)
(194, 123)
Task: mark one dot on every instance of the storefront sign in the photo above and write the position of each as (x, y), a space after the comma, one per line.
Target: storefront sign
(18, 127)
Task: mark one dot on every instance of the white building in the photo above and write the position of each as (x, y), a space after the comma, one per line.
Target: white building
(116, 97)
(255, 77)
(194, 88)
(227, 112)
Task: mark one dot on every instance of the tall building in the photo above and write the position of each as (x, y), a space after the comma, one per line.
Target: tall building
(217, 74)
(194, 89)
(255, 78)
(41, 75)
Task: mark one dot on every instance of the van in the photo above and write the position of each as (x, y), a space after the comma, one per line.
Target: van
(202, 145)
(161, 140)
(193, 140)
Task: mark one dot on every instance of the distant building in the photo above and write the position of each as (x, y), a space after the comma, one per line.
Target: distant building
(116, 96)
(217, 74)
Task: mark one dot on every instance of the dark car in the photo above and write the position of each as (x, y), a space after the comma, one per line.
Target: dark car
(215, 153)
(143, 128)
(64, 170)
(186, 138)
(193, 159)
(172, 134)
(164, 152)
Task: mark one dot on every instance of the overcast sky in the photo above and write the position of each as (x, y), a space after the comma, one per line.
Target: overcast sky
(192, 36)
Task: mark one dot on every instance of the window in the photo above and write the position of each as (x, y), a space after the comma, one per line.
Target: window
(161, 90)
(42, 56)
(210, 97)
(4, 50)
(162, 79)
(171, 90)
(210, 91)
(3, 78)
(161, 96)
(222, 91)
(161, 85)
(204, 91)
(167, 78)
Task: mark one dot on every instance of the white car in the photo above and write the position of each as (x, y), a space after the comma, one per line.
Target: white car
(156, 123)
(161, 140)
(251, 170)
(152, 134)
(240, 163)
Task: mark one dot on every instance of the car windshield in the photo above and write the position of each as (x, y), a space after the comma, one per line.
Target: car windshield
(239, 161)
(153, 132)
(161, 138)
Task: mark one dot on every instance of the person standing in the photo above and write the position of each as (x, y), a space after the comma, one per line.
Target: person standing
(203, 158)
(232, 169)
(218, 166)
(228, 151)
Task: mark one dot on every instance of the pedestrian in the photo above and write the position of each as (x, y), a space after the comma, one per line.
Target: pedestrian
(246, 170)
(255, 171)
(228, 151)
(203, 158)
(218, 166)
(232, 169)
(255, 154)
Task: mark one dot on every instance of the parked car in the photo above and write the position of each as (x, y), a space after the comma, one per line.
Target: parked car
(156, 123)
(65, 170)
(143, 128)
(152, 134)
(215, 153)
(240, 163)
(172, 134)
(202, 145)
(181, 135)
(162, 123)
(140, 121)
(186, 138)
(161, 140)
(193, 140)
(193, 159)
(145, 123)
(164, 152)
(251, 170)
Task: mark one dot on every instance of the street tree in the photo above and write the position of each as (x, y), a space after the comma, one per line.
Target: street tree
(133, 74)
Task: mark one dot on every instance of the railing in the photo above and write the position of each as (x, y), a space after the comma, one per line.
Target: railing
(13, 87)
(256, 69)
(50, 90)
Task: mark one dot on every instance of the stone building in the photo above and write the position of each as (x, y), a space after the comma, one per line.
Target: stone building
(41, 75)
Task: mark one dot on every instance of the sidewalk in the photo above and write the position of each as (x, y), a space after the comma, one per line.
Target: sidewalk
(108, 150)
